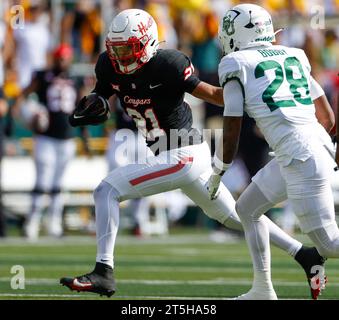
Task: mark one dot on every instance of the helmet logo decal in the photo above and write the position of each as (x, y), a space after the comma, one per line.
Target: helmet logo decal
(142, 28)
(250, 25)
(228, 22)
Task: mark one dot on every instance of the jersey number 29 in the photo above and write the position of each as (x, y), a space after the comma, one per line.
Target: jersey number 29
(282, 72)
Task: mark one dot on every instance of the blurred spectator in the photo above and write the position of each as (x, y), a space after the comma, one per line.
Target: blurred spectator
(82, 27)
(54, 146)
(206, 55)
(3, 111)
(197, 27)
(330, 51)
(167, 34)
(32, 43)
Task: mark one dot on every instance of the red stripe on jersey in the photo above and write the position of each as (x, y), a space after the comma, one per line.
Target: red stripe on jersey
(161, 173)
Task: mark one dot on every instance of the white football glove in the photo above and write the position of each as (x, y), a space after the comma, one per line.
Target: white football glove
(219, 168)
(213, 186)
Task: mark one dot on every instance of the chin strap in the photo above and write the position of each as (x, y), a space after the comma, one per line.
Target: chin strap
(278, 31)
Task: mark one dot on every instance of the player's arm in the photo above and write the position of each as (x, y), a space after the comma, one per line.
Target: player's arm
(324, 113)
(323, 110)
(209, 93)
(32, 87)
(228, 147)
(182, 74)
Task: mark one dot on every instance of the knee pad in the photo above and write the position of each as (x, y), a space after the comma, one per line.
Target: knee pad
(55, 191)
(252, 202)
(38, 191)
(326, 240)
(104, 190)
(325, 250)
(239, 208)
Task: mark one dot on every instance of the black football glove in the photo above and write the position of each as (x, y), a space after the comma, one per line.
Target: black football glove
(91, 110)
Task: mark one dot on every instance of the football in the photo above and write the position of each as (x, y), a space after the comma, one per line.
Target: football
(94, 105)
(91, 110)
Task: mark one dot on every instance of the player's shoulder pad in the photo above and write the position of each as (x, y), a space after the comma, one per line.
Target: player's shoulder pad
(103, 63)
(302, 57)
(230, 67)
(172, 60)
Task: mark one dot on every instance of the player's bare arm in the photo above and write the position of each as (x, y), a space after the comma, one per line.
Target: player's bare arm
(209, 93)
(231, 136)
(33, 87)
(324, 113)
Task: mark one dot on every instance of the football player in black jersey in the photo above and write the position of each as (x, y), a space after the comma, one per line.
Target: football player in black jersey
(54, 145)
(150, 84)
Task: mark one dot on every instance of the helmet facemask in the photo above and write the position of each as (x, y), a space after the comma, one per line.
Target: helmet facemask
(129, 55)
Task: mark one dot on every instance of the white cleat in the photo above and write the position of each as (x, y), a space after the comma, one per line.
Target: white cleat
(256, 294)
(55, 231)
(31, 230)
(54, 228)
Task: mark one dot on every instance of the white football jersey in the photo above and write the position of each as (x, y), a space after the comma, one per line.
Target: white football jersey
(276, 84)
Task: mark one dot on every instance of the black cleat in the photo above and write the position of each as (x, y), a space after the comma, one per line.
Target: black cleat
(100, 281)
(309, 258)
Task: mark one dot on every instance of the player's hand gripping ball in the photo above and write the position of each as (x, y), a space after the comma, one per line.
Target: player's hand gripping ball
(91, 110)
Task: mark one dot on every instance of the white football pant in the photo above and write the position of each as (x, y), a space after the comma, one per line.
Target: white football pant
(187, 168)
(51, 157)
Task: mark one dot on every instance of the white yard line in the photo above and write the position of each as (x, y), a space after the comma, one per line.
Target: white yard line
(224, 282)
(123, 240)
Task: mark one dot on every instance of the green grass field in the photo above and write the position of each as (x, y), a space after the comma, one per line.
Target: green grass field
(181, 266)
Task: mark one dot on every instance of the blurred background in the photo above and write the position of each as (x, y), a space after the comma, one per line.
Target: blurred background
(31, 33)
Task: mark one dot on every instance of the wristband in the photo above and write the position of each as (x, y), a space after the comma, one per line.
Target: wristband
(220, 167)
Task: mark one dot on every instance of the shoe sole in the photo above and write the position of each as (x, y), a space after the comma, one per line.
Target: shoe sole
(315, 293)
(101, 292)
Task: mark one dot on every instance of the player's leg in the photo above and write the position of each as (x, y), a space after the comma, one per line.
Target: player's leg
(310, 194)
(126, 147)
(223, 210)
(65, 152)
(168, 171)
(326, 240)
(271, 189)
(251, 206)
(162, 173)
(44, 159)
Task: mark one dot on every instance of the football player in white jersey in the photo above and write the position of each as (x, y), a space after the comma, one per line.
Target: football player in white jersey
(273, 84)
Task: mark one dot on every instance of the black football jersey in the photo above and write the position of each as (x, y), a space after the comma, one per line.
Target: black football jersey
(122, 119)
(154, 95)
(56, 92)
